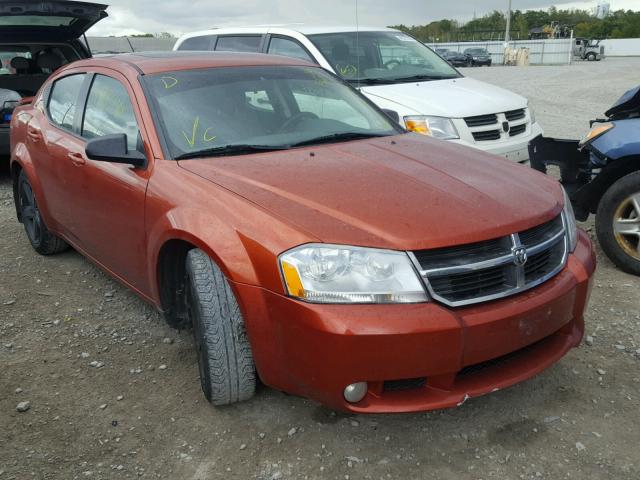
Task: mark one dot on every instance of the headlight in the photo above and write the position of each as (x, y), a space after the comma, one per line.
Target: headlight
(570, 222)
(438, 127)
(532, 114)
(596, 131)
(321, 273)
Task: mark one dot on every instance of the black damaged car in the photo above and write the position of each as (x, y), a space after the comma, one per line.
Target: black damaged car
(37, 38)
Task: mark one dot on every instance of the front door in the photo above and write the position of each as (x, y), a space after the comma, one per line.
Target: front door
(108, 199)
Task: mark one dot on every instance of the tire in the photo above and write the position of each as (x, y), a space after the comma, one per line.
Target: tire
(591, 57)
(620, 209)
(42, 240)
(227, 371)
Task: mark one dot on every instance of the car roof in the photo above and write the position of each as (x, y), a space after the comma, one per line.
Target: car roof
(149, 63)
(302, 28)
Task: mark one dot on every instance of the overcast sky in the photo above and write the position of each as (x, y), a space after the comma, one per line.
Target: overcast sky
(180, 16)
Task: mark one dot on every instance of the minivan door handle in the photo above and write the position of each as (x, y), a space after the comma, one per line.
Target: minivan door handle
(77, 158)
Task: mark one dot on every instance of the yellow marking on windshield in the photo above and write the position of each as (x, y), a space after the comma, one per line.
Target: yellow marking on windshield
(192, 140)
(348, 71)
(169, 82)
(208, 138)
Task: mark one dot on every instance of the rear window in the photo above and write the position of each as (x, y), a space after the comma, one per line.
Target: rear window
(35, 21)
(244, 43)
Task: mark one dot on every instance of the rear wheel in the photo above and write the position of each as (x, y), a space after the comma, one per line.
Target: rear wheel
(42, 240)
(227, 371)
(618, 223)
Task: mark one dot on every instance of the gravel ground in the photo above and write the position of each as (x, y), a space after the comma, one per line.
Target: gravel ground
(112, 393)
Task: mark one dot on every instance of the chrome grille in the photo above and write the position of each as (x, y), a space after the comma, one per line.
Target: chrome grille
(498, 126)
(484, 271)
(482, 120)
(517, 130)
(486, 135)
(514, 115)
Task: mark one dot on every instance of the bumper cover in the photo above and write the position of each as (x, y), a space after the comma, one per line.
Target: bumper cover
(317, 350)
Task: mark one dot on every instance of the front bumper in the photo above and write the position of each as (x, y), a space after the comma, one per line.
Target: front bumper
(317, 350)
(513, 148)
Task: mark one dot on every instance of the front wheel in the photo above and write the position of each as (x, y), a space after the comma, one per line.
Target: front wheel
(227, 371)
(591, 57)
(42, 240)
(618, 223)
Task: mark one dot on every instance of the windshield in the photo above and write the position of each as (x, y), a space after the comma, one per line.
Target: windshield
(381, 57)
(224, 111)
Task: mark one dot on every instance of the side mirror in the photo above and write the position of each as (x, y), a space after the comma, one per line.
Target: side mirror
(392, 114)
(113, 148)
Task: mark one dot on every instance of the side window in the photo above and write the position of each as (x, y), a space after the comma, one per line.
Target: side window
(197, 43)
(244, 43)
(63, 100)
(288, 48)
(109, 111)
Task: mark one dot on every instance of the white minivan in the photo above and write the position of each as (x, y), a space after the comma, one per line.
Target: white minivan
(399, 74)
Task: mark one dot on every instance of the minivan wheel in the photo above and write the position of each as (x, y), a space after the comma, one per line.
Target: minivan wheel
(227, 371)
(618, 223)
(42, 240)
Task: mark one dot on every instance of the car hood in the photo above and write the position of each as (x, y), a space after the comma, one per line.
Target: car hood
(406, 192)
(53, 19)
(453, 98)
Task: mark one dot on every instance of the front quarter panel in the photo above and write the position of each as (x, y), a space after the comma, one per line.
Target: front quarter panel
(622, 141)
(243, 239)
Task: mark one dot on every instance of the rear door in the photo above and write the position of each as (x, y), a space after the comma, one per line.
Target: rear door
(48, 20)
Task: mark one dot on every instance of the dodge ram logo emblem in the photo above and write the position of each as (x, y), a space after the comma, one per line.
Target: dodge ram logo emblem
(520, 256)
(505, 127)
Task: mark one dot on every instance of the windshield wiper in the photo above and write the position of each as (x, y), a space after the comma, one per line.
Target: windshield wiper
(239, 149)
(338, 137)
(372, 81)
(418, 78)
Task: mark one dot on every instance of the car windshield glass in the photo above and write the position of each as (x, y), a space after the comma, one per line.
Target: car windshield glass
(239, 110)
(381, 57)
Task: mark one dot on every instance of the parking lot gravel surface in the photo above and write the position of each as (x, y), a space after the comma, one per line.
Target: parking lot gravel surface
(93, 384)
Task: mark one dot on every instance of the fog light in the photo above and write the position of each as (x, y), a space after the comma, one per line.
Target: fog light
(355, 392)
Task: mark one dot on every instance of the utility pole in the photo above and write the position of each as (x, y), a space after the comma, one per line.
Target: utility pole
(508, 32)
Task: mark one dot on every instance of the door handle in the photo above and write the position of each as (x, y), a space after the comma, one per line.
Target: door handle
(77, 158)
(34, 134)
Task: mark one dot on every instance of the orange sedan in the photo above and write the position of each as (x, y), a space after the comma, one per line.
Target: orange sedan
(305, 238)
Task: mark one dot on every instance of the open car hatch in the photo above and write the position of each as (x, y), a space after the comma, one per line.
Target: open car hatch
(64, 20)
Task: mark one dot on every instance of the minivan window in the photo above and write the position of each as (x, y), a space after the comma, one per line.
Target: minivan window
(201, 43)
(288, 48)
(244, 43)
(63, 100)
(109, 111)
(381, 57)
(223, 111)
